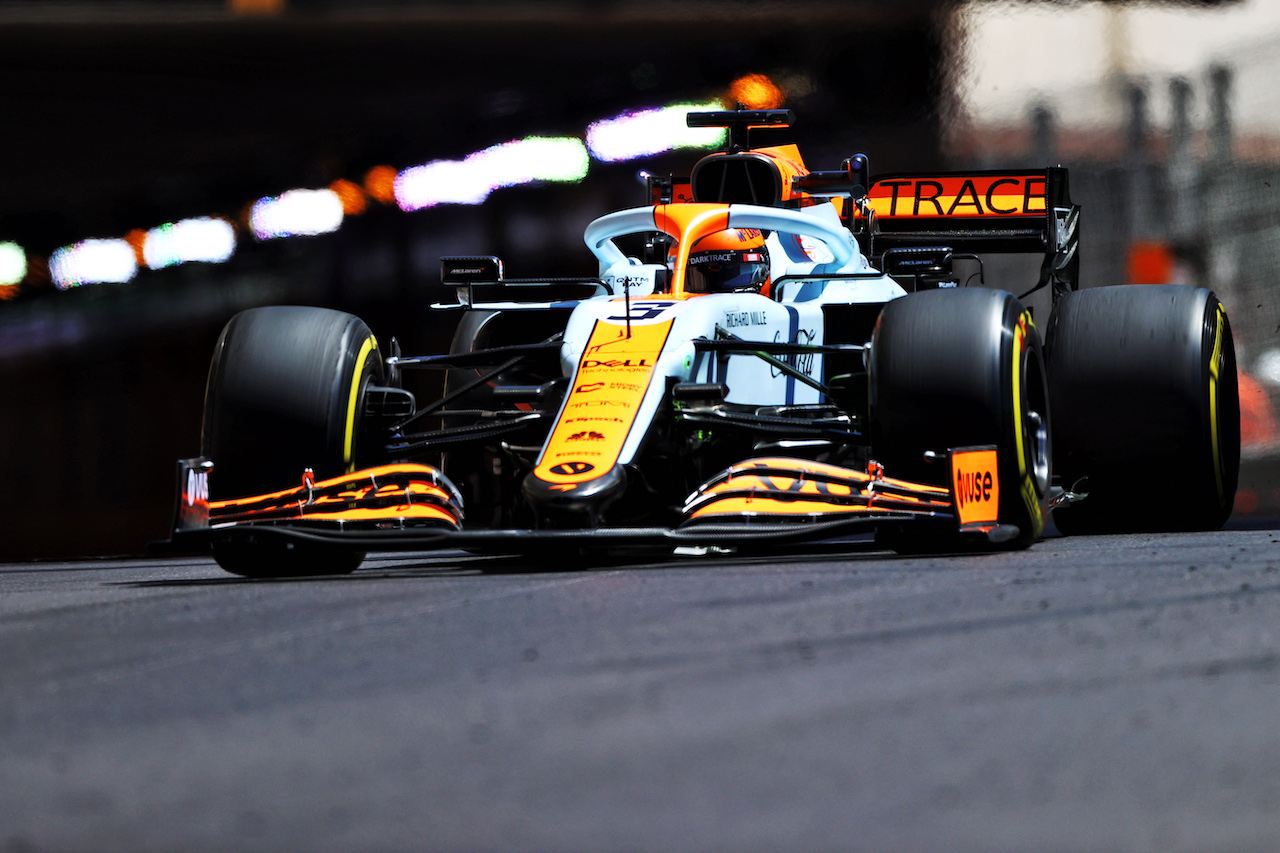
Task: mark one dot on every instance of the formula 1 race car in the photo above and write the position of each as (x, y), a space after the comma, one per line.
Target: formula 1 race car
(793, 357)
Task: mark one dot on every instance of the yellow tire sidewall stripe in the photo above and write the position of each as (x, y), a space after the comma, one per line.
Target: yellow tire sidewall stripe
(1019, 335)
(353, 398)
(1027, 486)
(1215, 369)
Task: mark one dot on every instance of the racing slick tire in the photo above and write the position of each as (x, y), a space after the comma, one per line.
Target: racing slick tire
(958, 368)
(285, 393)
(1142, 380)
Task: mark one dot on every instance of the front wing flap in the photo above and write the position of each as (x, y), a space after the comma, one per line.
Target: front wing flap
(758, 504)
(402, 495)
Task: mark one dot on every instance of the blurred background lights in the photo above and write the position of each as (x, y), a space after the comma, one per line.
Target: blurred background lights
(308, 212)
(207, 239)
(757, 92)
(469, 181)
(353, 198)
(13, 264)
(93, 262)
(533, 159)
(296, 213)
(380, 184)
(647, 132)
(440, 182)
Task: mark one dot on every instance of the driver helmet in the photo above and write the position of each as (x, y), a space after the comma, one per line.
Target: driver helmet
(731, 261)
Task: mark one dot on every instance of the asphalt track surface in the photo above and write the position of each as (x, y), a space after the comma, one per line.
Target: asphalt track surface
(1091, 694)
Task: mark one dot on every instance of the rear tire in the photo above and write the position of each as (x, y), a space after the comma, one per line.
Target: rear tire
(285, 393)
(958, 368)
(1142, 380)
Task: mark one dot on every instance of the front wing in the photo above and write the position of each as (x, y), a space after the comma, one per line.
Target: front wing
(757, 505)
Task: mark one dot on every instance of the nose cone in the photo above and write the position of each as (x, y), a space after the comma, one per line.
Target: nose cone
(574, 505)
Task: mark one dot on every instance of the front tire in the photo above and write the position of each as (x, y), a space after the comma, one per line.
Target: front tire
(1146, 406)
(285, 393)
(958, 368)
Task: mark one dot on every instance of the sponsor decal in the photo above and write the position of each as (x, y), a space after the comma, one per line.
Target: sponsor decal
(972, 486)
(745, 318)
(798, 485)
(990, 195)
(564, 468)
(597, 363)
(801, 361)
(595, 403)
(713, 257)
(975, 481)
(630, 282)
(604, 400)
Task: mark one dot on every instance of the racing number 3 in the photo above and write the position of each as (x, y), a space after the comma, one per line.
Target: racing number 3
(641, 311)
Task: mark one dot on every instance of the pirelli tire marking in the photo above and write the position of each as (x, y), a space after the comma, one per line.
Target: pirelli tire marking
(369, 346)
(1026, 481)
(1215, 370)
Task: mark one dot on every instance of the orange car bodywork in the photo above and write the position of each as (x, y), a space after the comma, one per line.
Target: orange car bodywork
(405, 494)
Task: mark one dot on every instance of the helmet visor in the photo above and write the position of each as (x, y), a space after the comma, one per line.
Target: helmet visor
(726, 272)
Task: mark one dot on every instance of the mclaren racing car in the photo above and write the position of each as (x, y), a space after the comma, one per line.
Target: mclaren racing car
(785, 357)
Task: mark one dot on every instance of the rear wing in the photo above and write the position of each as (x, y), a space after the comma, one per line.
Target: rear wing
(1025, 210)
